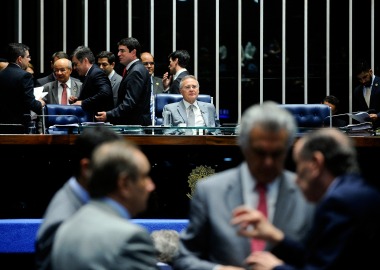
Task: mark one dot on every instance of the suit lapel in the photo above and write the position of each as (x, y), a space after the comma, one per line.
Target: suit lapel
(54, 92)
(182, 110)
(204, 113)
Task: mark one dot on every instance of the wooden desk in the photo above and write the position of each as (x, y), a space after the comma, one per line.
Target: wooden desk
(40, 164)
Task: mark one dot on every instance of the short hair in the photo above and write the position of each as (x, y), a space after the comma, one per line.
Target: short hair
(362, 66)
(108, 162)
(15, 50)
(106, 54)
(88, 140)
(59, 55)
(332, 100)
(166, 243)
(132, 44)
(270, 116)
(69, 63)
(82, 52)
(183, 57)
(187, 77)
(337, 148)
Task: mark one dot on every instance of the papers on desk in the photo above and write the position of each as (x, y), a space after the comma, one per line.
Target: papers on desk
(361, 117)
(361, 129)
(38, 92)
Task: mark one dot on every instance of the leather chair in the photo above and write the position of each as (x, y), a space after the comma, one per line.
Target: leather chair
(310, 115)
(162, 99)
(56, 114)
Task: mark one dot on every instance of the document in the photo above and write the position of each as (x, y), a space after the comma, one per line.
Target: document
(361, 117)
(38, 92)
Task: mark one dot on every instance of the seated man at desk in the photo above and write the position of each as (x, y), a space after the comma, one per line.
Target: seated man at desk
(189, 111)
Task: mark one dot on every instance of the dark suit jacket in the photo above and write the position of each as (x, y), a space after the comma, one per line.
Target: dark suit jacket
(344, 233)
(44, 80)
(52, 89)
(133, 103)
(359, 104)
(96, 93)
(16, 95)
(157, 85)
(174, 87)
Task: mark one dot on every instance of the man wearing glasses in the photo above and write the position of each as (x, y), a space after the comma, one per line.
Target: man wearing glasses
(148, 61)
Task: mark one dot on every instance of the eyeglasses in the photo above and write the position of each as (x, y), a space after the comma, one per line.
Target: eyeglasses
(188, 87)
(148, 63)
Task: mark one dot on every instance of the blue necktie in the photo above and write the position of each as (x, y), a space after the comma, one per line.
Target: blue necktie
(152, 102)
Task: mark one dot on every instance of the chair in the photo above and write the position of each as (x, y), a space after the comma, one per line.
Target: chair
(162, 99)
(309, 115)
(56, 114)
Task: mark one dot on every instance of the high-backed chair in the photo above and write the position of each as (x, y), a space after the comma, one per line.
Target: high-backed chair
(310, 115)
(56, 114)
(162, 99)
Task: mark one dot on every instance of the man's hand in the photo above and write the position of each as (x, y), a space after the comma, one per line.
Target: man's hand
(166, 79)
(263, 260)
(101, 117)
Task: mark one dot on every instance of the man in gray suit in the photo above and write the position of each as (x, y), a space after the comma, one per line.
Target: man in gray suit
(106, 62)
(73, 194)
(210, 240)
(51, 77)
(205, 113)
(100, 235)
(62, 70)
(148, 61)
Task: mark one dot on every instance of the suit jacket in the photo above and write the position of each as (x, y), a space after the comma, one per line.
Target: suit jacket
(133, 103)
(115, 83)
(174, 87)
(359, 104)
(63, 205)
(17, 95)
(96, 93)
(44, 80)
(210, 239)
(52, 89)
(157, 85)
(179, 115)
(345, 230)
(97, 237)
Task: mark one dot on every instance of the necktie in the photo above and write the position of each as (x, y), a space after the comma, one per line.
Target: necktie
(257, 244)
(191, 117)
(125, 72)
(152, 101)
(64, 94)
(367, 95)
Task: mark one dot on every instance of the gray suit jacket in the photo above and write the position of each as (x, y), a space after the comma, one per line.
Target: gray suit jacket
(115, 83)
(62, 206)
(158, 87)
(52, 89)
(97, 237)
(210, 239)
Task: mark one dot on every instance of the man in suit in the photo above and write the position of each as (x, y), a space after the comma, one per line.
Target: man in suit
(366, 96)
(17, 88)
(347, 218)
(96, 92)
(178, 61)
(205, 113)
(62, 71)
(100, 235)
(106, 62)
(210, 241)
(148, 61)
(133, 103)
(51, 77)
(68, 199)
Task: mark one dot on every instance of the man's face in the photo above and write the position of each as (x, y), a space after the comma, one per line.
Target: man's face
(105, 65)
(332, 106)
(25, 60)
(173, 65)
(266, 154)
(80, 67)
(61, 70)
(365, 78)
(190, 90)
(148, 62)
(126, 56)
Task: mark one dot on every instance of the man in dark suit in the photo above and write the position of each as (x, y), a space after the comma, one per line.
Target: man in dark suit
(347, 218)
(205, 113)
(101, 235)
(178, 61)
(72, 195)
(17, 88)
(210, 240)
(96, 93)
(366, 96)
(51, 77)
(133, 103)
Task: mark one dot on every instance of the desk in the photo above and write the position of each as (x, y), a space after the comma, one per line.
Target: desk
(33, 161)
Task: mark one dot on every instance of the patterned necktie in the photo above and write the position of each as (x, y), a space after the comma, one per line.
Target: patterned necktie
(257, 244)
(152, 101)
(64, 94)
(191, 117)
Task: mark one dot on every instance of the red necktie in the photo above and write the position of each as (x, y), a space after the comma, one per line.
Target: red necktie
(125, 72)
(64, 94)
(257, 244)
